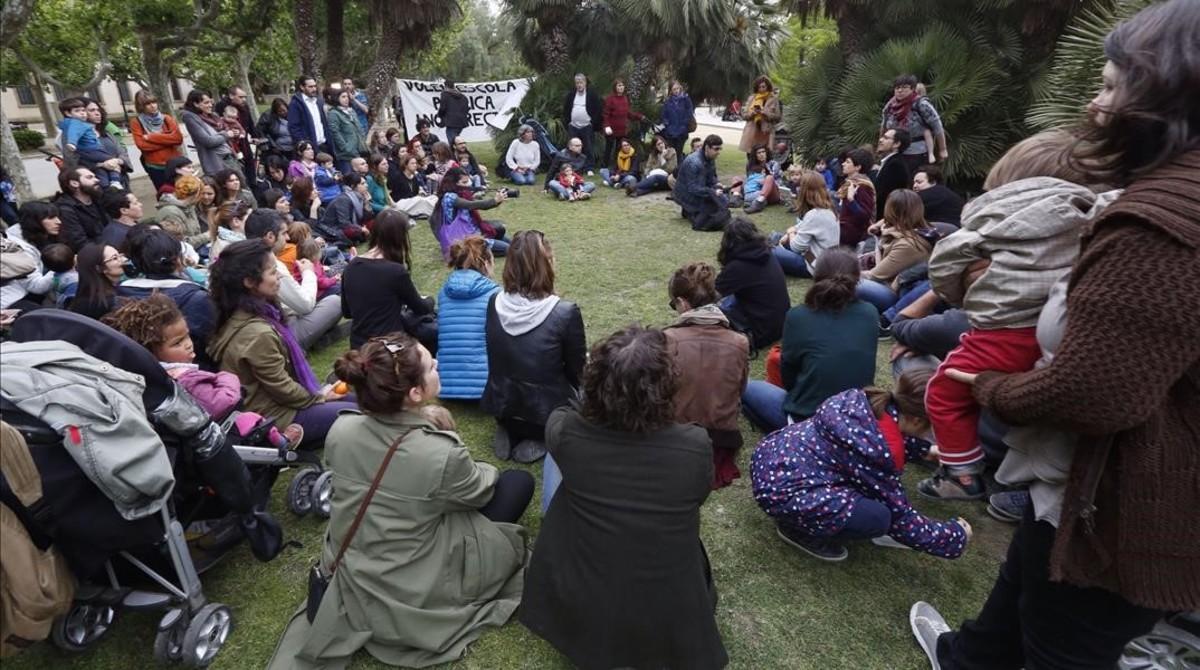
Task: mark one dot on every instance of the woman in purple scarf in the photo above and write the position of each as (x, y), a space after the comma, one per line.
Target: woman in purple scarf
(254, 342)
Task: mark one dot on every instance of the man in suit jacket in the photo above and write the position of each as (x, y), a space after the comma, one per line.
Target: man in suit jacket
(893, 172)
(306, 115)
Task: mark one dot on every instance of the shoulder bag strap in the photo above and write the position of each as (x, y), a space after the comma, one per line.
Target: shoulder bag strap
(362, 509)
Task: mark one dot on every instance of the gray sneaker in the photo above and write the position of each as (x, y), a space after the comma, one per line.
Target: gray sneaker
(1008, 506)
(529, 451)
(927, 627)
(887, 541)
(501, 445)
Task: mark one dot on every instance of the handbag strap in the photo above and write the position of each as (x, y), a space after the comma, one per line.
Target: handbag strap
(362, 508)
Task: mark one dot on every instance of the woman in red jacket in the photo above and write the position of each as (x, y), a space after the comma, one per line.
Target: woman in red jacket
(616, 119)
(156, 135)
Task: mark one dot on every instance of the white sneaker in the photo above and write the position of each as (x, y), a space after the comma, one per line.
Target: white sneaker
(887, 541)
(927, 626)
(591, 173)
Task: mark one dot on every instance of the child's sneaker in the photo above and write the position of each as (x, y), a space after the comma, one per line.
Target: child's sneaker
(293, 435)
(942, 486)
(1008, 506)
(826, 550)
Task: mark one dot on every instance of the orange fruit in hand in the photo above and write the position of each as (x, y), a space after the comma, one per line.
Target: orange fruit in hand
(341, 388)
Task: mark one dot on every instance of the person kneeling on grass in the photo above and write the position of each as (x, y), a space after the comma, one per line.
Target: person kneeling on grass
(836, 476)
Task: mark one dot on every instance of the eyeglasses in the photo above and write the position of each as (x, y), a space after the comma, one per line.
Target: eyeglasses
(116, 256)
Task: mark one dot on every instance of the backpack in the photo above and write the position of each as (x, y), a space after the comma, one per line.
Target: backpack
(36, 585)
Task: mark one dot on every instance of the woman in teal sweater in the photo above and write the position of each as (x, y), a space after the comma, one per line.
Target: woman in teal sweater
(829, 346)
(377, 183)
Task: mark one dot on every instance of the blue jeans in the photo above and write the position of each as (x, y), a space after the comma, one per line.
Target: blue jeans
(880, 295)
(563, 193)
(606, 175)
(762, 403)
(498, 246)
(792, 262)
(919, 289)
(551, 480)
(652, 183)
(526, 179)
(452, 133)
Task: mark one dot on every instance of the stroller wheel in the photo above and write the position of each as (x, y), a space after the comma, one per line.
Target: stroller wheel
(206, 634)
(168, 643)
(322, 495)
(82, 626)
(1164, 648)
(300, 492)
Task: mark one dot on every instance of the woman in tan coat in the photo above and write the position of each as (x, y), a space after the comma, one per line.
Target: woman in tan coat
(903, 243)
(437, 557)
(761, 112)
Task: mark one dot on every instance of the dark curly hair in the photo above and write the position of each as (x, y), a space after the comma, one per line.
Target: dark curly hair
(739, 233)
(381, 378)
(835, 281)
(629, 382)
(144, 321)
(226, 280)
(695, 283)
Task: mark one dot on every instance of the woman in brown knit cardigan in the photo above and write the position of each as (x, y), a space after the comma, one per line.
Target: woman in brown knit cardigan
(1125, 378)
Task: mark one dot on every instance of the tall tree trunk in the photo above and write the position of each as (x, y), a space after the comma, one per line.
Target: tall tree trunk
(158, 75)
(335, 38)
(555, 46)
(49, 119)
(382, 75)
(643, 73)
(243, 57)
(10, 158)
(304, 21)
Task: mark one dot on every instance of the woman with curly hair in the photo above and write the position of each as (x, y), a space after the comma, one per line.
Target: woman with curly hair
(620, 577)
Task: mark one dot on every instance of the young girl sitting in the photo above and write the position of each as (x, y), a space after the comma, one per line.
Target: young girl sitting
(157, 324)
(573, 182)
(836, 475)
(326, 284)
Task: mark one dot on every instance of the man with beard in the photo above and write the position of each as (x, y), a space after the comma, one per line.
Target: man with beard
(83, 219)
(893, 172)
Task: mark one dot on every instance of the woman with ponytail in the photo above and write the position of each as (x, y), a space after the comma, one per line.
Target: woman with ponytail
(836, 476)
(829, 346)
(254, 342)
(711, 360)
(437, 557)
(462, 315)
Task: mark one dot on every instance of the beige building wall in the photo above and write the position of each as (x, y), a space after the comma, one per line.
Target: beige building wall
(20, 107)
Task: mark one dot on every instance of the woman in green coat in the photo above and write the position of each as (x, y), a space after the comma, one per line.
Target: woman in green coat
(438, 556)
(345, 135)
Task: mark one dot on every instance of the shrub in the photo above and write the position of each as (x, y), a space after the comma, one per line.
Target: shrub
(28, 140)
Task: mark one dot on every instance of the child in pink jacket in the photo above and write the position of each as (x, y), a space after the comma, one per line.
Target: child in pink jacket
(157, 324)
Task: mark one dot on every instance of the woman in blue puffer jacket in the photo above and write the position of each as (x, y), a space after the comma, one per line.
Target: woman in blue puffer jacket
(462, 315)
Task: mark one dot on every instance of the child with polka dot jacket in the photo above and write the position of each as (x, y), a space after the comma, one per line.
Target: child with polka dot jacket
(836, 476)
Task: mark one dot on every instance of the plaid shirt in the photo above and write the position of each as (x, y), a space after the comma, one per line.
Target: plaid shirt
(1030, 231)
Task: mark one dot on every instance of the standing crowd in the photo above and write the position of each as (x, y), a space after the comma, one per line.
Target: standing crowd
(1044, 356)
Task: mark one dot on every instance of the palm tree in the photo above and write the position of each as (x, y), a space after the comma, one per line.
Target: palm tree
(547, 27)
(404, 25)
(1074, 73)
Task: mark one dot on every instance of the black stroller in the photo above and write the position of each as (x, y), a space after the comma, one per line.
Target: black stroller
(214, 492)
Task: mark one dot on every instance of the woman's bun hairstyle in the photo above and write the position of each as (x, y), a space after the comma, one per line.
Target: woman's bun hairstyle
(835, 281)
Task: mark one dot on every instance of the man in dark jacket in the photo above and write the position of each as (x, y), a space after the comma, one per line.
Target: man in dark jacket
(941, 204)
(306, 115)
(583, 115)
(696, 189)
(83, 219)
(453, 111)
(893, 172)
(573, 155)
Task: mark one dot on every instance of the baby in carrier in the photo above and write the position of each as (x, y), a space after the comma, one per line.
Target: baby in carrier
(157, 324)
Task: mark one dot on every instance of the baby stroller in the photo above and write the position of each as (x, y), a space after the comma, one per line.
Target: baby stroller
(1174, 643)
(147, 562)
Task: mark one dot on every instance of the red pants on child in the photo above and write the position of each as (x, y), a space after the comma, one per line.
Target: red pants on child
(950, 405)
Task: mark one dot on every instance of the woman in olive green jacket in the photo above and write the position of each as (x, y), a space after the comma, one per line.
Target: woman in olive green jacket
(437, 557)
(254, 342)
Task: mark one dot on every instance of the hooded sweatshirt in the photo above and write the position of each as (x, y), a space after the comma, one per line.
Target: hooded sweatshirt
(462, 347)
(1030, 230)
(519, 314)
(753, 276)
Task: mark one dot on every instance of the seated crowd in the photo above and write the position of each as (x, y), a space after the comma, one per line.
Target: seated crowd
(244, 272)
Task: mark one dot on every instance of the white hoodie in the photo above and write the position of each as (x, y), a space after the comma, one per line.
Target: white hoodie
(519, 315)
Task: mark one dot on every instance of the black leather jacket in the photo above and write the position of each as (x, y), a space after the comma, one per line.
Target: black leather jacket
(532, 374)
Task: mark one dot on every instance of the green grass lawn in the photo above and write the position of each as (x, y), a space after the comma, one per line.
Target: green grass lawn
(778, 609)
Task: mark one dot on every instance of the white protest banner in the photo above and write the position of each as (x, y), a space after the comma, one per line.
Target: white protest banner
(491, 103)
